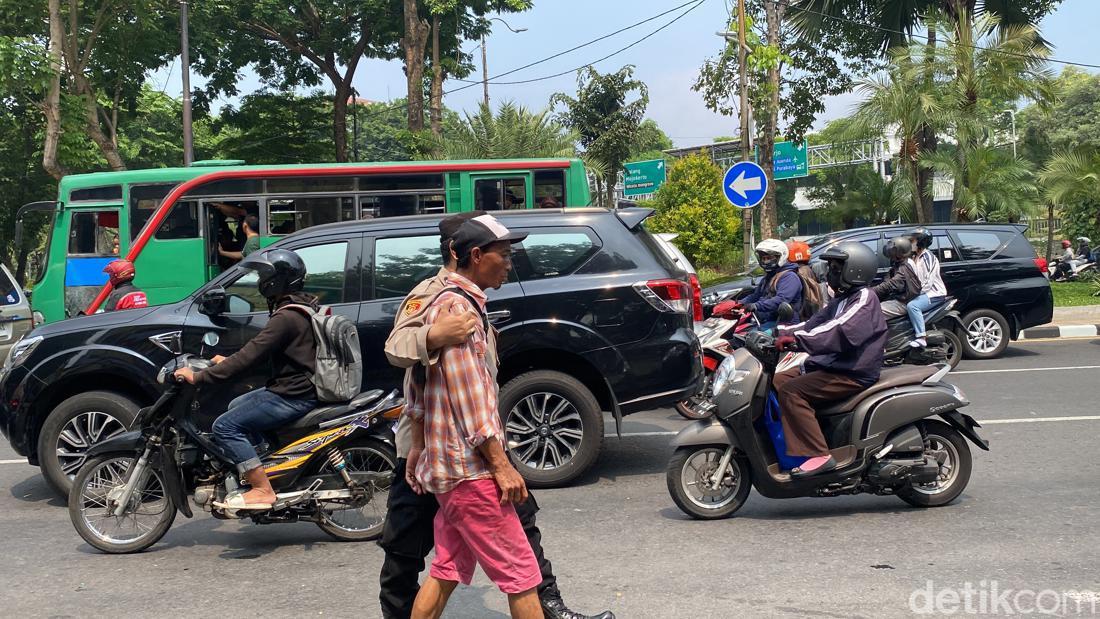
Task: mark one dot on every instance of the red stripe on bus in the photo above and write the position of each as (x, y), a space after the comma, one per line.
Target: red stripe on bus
(162, 211)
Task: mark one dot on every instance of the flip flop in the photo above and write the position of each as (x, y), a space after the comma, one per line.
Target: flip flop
(236, 501)
(830, 464)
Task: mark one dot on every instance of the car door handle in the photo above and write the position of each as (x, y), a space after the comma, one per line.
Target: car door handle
(499, 316)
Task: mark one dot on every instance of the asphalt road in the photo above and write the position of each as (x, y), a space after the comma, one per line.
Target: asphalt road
(1027, 522)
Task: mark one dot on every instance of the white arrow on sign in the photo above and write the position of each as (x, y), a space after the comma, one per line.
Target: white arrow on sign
(741, 185)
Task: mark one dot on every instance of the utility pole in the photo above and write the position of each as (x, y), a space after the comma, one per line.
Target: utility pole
(484, 71)
(188, 136)
(744, 112)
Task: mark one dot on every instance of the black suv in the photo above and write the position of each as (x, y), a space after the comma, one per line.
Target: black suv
(990, 268)
(596, 318)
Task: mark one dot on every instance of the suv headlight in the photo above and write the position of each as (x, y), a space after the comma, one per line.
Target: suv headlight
(22, 349)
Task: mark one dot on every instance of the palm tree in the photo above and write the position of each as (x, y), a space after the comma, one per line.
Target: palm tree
(989, 182)
(1070, 179)
(853, 193)
(513, 132)
(900, 103)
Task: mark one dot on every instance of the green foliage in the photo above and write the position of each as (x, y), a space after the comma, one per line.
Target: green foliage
(279, 128)
(649, 142)
(513, 132)
(1071, 181)
(691, 204)
(606, 123)
(993, 184)
(1074, 294)
(1073, 121)
(851, 193)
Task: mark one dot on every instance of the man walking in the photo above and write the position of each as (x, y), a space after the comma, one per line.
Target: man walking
(407, 537)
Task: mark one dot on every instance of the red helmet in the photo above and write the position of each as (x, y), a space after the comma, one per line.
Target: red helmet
(120, 271)
(799, 251)
(1066, 244)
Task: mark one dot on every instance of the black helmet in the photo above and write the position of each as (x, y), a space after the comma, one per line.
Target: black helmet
(922, 237)
(281, 272)
(852, 265)
(897, 249)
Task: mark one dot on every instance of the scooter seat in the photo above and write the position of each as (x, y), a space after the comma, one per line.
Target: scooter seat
(888, 379)
(321, 414)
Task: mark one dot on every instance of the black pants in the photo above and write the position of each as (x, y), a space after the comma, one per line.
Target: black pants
(408, 537)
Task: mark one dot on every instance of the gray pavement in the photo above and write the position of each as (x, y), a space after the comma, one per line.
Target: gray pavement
(1028, 521)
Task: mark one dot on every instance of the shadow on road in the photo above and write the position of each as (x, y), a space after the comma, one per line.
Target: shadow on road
(818, 508)
(34, 489)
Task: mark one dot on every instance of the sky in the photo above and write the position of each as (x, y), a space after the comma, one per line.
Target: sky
(668, 61)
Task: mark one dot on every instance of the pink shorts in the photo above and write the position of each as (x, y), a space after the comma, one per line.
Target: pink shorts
(473, 528)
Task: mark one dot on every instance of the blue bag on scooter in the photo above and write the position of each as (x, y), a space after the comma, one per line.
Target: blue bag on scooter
(775, 431)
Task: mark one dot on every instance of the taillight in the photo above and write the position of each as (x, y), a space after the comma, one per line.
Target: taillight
(666, 295)
(1042, 264)
(696, 298)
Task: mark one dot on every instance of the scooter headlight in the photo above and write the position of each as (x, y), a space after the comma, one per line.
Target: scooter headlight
(727, 374)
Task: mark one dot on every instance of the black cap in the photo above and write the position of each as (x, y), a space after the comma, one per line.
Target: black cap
(481, 231)
(448, 226)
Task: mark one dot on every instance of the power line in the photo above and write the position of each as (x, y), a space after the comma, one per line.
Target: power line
(917, 34)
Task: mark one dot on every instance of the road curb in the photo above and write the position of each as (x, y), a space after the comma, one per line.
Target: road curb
(1041, 333)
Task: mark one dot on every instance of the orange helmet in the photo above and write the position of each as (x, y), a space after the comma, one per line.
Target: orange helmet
(799, 251)
(120, 271)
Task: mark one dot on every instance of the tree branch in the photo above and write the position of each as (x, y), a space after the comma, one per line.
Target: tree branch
(97, 26)
(292, 43)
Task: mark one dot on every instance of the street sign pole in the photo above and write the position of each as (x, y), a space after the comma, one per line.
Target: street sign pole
(742, 58)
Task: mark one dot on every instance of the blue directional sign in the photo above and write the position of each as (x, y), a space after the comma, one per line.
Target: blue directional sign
(745, 184)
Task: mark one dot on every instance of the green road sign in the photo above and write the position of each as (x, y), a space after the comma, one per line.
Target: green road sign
(643, 177)
(789, 160)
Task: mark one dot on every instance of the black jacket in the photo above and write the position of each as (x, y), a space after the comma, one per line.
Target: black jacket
(287, 340)
(902, 284)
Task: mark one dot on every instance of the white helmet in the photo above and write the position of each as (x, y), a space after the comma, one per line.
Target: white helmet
(772, 246)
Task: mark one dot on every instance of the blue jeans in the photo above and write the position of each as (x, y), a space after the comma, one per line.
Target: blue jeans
(249, 415)
(916, 308)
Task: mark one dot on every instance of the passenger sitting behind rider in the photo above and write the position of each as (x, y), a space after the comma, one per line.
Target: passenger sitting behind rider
(287, 339)
(780, 284)
(903, 285)
(845, 342)
(927, 268)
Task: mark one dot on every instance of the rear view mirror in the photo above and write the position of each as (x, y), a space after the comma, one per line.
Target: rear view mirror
(785, 312)
(212, 302)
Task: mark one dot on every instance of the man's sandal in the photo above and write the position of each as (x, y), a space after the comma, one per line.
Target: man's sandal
(236, 501)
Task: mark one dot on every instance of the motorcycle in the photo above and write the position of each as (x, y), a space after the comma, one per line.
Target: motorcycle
(902, 436)
(332, 467)
(719, 336)
(1076, 271)
(942, 324)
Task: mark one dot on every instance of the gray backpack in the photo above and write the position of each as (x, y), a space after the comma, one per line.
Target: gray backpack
(339, 369)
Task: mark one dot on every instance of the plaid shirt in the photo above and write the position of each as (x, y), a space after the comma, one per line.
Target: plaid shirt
(458, 402)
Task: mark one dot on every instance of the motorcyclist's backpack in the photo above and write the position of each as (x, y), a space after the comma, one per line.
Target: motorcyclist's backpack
(338, 375)
(811, 293)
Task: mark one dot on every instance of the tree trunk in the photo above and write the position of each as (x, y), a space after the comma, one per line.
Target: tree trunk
(413, 43)
(84, 89)
(340, 120)
(769, 215)
(926, 143)
(51, 106)
(436, 103)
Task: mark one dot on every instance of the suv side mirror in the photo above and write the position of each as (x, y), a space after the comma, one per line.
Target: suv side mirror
(212, 302)
(784, 312)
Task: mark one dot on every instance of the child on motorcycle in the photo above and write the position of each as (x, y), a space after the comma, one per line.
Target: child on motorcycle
(845, 341)
(288, 341)
(933, 290)
(780, 284)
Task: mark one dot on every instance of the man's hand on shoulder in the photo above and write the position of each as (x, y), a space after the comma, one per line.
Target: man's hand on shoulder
(451, 329)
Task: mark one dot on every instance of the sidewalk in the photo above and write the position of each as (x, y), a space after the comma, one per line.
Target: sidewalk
(1080, 321)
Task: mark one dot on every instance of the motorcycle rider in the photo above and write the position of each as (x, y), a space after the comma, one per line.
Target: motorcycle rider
(288, 341)
(1065, 263)
(781, 284)
(845, 341)
(813, 297)
(933, 290)
(124, 294)
(902, 285)
(408, 534)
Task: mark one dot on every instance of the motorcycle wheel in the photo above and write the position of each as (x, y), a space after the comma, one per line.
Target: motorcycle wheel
(359, 523)
(687, 471)
(954, 348)
(148, 516)
(698, 406)
(950, 449)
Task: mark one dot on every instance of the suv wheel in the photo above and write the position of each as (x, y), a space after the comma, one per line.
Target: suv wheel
(985, 334)
(74, 426)
(553, 427)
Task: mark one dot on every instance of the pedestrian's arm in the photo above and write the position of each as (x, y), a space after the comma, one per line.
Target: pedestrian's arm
(512, 487)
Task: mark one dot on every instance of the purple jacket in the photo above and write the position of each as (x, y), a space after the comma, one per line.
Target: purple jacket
(787, 290)
(847, 336)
